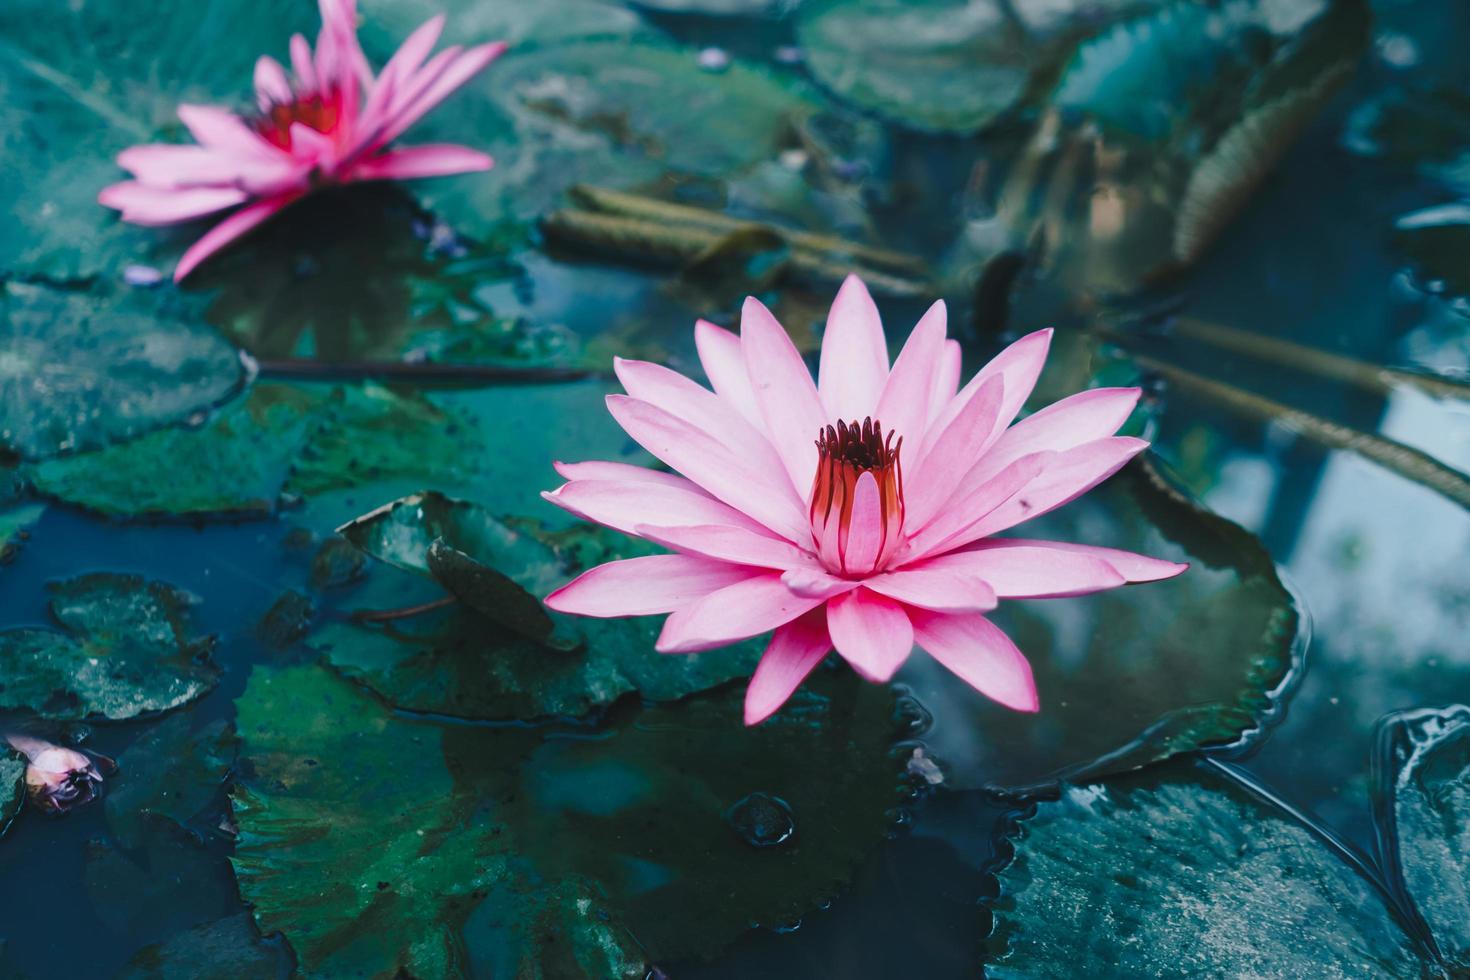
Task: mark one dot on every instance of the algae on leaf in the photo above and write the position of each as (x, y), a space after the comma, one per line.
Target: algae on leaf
(378, 843)
(12, 787)
(124, 651)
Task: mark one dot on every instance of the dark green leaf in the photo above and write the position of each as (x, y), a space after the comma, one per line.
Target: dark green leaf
(226, 949)
(126, 652)
(13, 523)
(169, 882)
(80, 371)
(1134, 675)
(377, 843)
(171, 771)
(12, 787)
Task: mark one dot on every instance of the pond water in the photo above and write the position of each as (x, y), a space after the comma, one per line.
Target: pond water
(443, 802)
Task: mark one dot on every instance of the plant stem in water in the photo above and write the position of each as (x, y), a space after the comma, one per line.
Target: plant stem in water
(387, 615)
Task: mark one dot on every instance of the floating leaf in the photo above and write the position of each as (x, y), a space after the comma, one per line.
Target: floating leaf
(1222, 878)
(83, 82)
(126, 651)
(520, 25)
(1134, 675)
(173, 772)
(170, 881)
(12, 787)
(454, 662)
(950, 65)
(79, 371)
(226, 949)
(380, 844)
(13, 523)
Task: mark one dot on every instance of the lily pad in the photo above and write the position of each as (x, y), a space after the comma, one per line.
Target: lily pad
(1222, 878)
(948, 65)
(539, 663)
(173, 772)
(1134, 675)
(83, 82)
(12, 787)
(124, 651)
(226, 949)
(79, 371)
(518, 24)
(380, 844)
(13, 523)
(169, 881)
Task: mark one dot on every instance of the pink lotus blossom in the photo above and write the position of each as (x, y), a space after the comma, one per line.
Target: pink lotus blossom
(57, 779)
(328, 122)
(799, 511)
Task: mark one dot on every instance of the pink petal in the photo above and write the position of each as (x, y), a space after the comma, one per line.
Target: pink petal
(171, 165)
(784, 391)
(271, 84)
(1066, 477)
(143, 205)
(1027, 572)
(432, 160)
(724, 365)
(623, 505)
(872, 632)
(730, 544)
(302, 64)
(401, 67)
(1083, 417)
(228, 230)
(1133, 567)
(952, 526)
(644, 586)
(707, 462)
(736, 612)
(1019, 364)
(597, 469)
(794, 651)
(225, 131)
(814, 583)
(904, 405)
(311, 147)
(944, 464)
(977, 652)
(864, 543)
(854, 364)
(931, 586)
(946, 380)
(461, 70)
(706, 411)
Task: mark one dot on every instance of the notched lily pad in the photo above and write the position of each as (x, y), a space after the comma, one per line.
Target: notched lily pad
(381, 844)
(1137, 674)
(124, 651)
(226, 949)
(79, 371)
(1221, 878)
(172, 772)
(538, 663)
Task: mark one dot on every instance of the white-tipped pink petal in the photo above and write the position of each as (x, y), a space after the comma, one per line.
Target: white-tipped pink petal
(1027, 572)
(794, 651)
(903, 407)
(623, 504)
(730, 544)
(783, 388)
(953, 526)
(645, 586)
(413, 162)
(144, 205)
(1019, 365)
(871, 631)
(946, 380)
(944, 464)
(977, 652)
(707, 462)
(1131, 566)
(598, 469)
(724, 365)
(1068, 476)
(930, 586)
(222, 234)
(736, 612)
(854, 361)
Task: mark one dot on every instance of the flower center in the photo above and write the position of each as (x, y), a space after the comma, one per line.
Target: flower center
(317, 110)
(856, 505)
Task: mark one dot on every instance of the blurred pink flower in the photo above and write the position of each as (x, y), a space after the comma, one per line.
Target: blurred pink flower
(57, 779)
(329, 122)
(800, 512)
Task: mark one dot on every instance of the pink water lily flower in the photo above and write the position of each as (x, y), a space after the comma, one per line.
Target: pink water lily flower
(328, 122)
(859, 512)
(57, 778)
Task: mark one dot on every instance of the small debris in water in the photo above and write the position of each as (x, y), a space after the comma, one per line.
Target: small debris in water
(925, 768)
(790, 54)
(714, 59)
(762, 820)
(142, 275)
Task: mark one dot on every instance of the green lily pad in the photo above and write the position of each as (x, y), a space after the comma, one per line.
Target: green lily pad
(1133, 675)
(83, 83)
(12, 787)
(13, 523)
(1221, 878)
(617, 113)
(125, 651)
(80, 371)
(226, 949)
(388, 22)
(378, 844)
(539, 664)
(169, 881)
(948, 65)
(171, 771)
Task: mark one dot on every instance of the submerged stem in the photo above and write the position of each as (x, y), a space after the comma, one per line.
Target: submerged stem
(1406, 461)
(387, 615)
